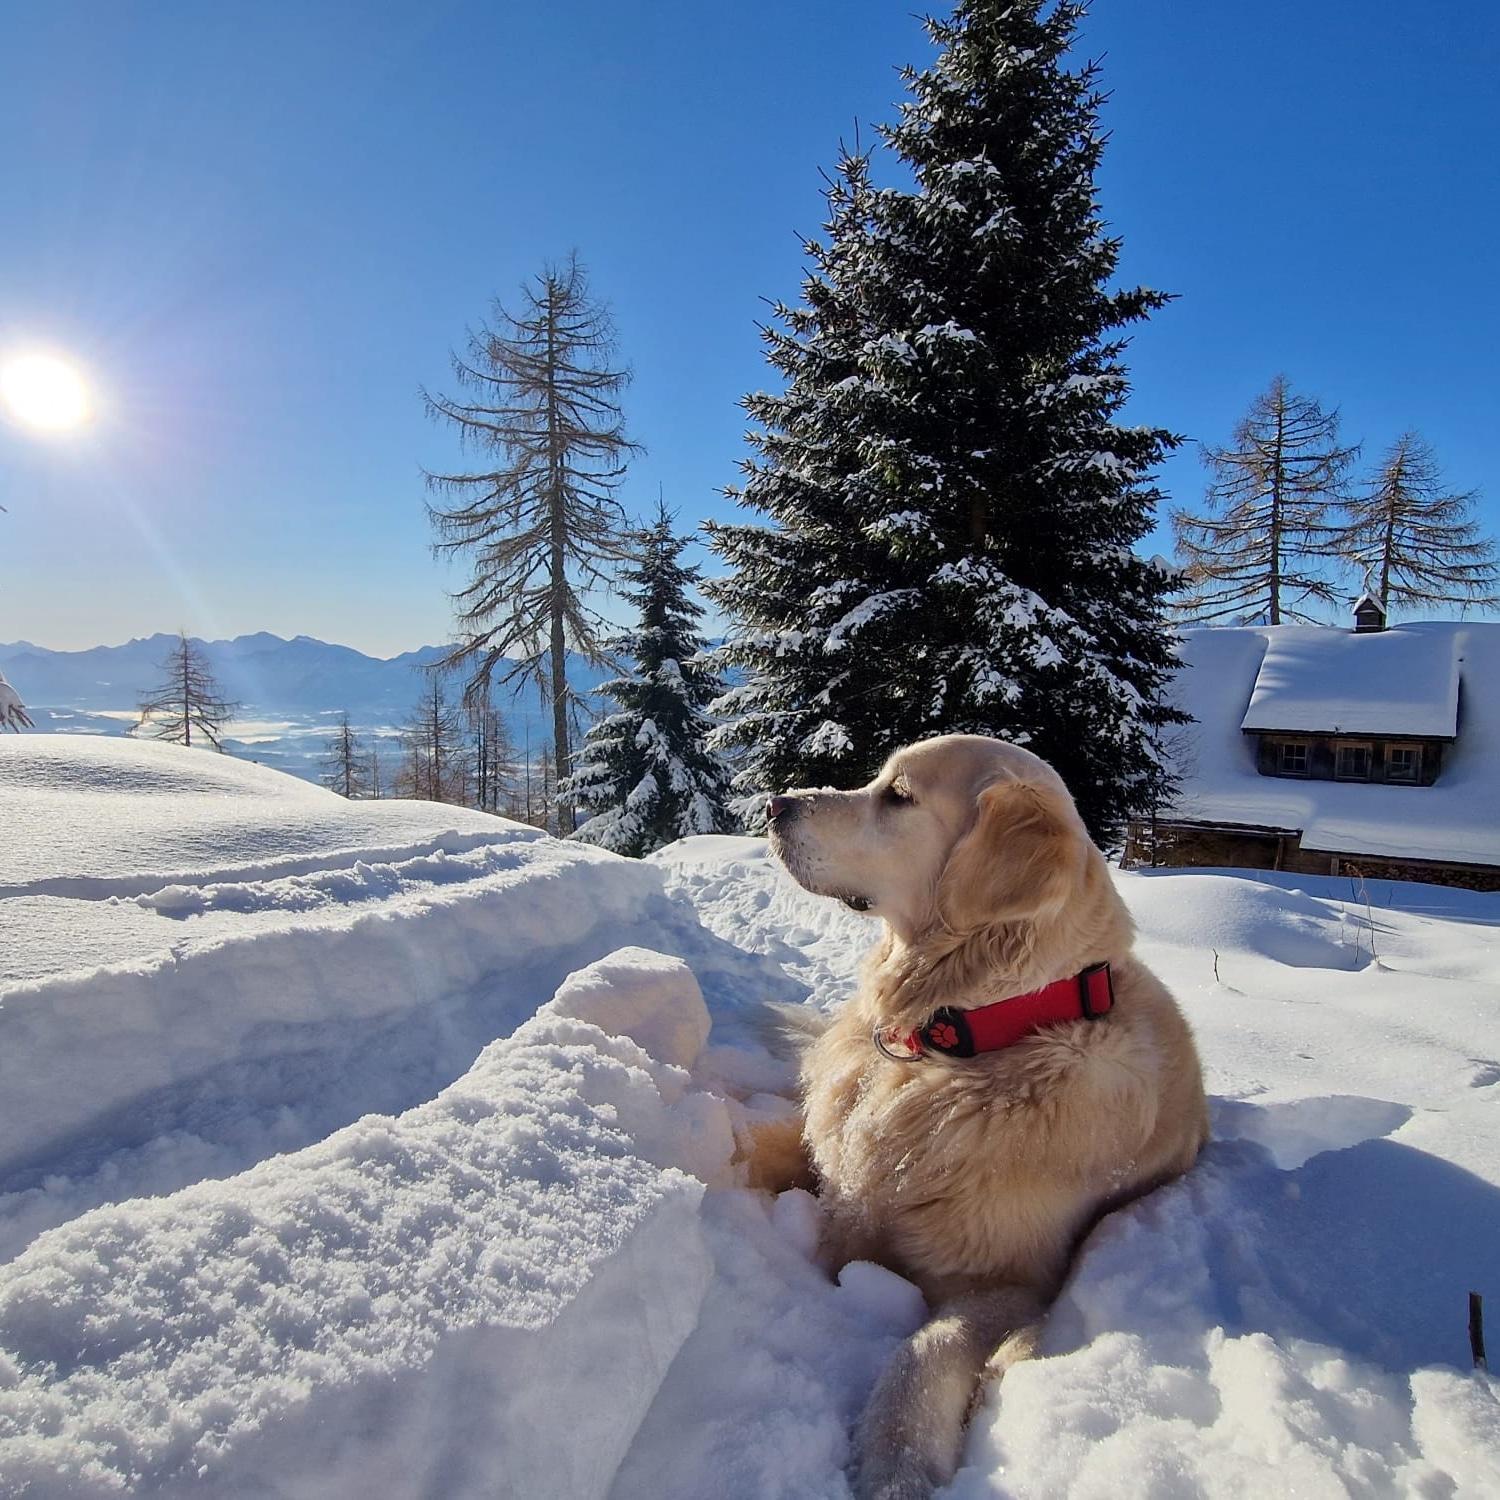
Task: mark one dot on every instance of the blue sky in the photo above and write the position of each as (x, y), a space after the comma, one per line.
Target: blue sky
(261, 228)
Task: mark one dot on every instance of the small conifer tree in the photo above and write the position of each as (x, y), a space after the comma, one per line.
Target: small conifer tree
(645, 773)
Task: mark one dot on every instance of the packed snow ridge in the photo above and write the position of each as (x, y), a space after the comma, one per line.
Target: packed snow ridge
(387, 1149)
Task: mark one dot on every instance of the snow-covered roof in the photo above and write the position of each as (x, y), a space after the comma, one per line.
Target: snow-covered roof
(1225, 672)
(1326, 681)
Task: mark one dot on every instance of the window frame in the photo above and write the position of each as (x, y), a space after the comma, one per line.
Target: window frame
(1415, 751)
(1340, 746)
(1282, 769)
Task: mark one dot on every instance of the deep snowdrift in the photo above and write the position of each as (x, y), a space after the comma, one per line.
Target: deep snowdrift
(349, 1319)
(529, 1273)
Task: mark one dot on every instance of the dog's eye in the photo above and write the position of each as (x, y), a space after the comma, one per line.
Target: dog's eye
(898, 793)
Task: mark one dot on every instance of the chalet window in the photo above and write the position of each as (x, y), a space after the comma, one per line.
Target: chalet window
(1291, 758)
(1352, 761)
(1402, 762)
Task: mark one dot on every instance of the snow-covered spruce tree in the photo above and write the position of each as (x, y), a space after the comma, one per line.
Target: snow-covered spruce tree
(645, 773)
(1418, 545)
(540, 520)
(13, 713)
(954, 502)
(1274, 514)
(188, 701)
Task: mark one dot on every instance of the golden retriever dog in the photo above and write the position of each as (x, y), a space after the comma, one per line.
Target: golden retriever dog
(967, 1146)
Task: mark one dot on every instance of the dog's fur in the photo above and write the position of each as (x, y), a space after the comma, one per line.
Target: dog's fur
(977, 1177)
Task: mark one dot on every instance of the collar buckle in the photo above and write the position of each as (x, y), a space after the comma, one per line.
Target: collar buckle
(1096, 991)
(887, 1040)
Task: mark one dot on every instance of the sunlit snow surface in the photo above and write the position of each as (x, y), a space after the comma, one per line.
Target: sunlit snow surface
(403, 1241)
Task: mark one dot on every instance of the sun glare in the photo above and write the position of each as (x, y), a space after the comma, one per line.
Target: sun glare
(42, 391)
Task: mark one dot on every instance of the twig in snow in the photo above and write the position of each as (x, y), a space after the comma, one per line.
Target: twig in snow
(1476, 1331)
(1363, 893)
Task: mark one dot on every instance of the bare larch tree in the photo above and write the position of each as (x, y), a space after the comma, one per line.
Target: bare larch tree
(188, 700)
(1417, 545)
(541, 525)
(493, 756)
(431, 740)
(1274, 513)
(345, 769)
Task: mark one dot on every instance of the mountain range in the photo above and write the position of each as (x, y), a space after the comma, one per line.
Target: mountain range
(289, 691)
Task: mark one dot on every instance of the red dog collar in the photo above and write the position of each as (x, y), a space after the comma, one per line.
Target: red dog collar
(963, 1033)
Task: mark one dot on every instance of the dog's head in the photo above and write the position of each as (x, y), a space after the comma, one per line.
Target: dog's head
(955, 836)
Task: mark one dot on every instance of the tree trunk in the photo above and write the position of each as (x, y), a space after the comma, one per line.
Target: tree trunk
(1388, 547)
(562, 759)
(1278, 485)
(187, 707)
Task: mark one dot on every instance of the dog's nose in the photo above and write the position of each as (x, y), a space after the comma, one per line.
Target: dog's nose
(780, 807)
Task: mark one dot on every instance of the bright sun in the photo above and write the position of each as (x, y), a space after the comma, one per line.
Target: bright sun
(43, 391)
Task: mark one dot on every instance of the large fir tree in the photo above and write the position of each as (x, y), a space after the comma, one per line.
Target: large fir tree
(645, 772)
(955, 502)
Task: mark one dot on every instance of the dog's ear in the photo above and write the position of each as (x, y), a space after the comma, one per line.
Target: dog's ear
(1021, 860)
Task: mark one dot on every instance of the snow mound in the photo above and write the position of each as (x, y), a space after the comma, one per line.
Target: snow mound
(158, 1028)
(648, 996)
(1237, 914)
(403, 1306)
(86, 816)
(1296, 1131)
(1242, 1321)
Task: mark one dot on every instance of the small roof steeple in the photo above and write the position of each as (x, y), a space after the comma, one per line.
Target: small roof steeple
(1368, 615)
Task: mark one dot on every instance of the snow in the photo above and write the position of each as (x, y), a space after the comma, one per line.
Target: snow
(136, 823)
(828, 738)
(348, 1316)
(1328, 681)
(1457, 818)
(867, 610)
(343, 1171)
(13, 713)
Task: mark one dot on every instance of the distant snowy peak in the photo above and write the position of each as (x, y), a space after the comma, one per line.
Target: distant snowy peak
(267, 673)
